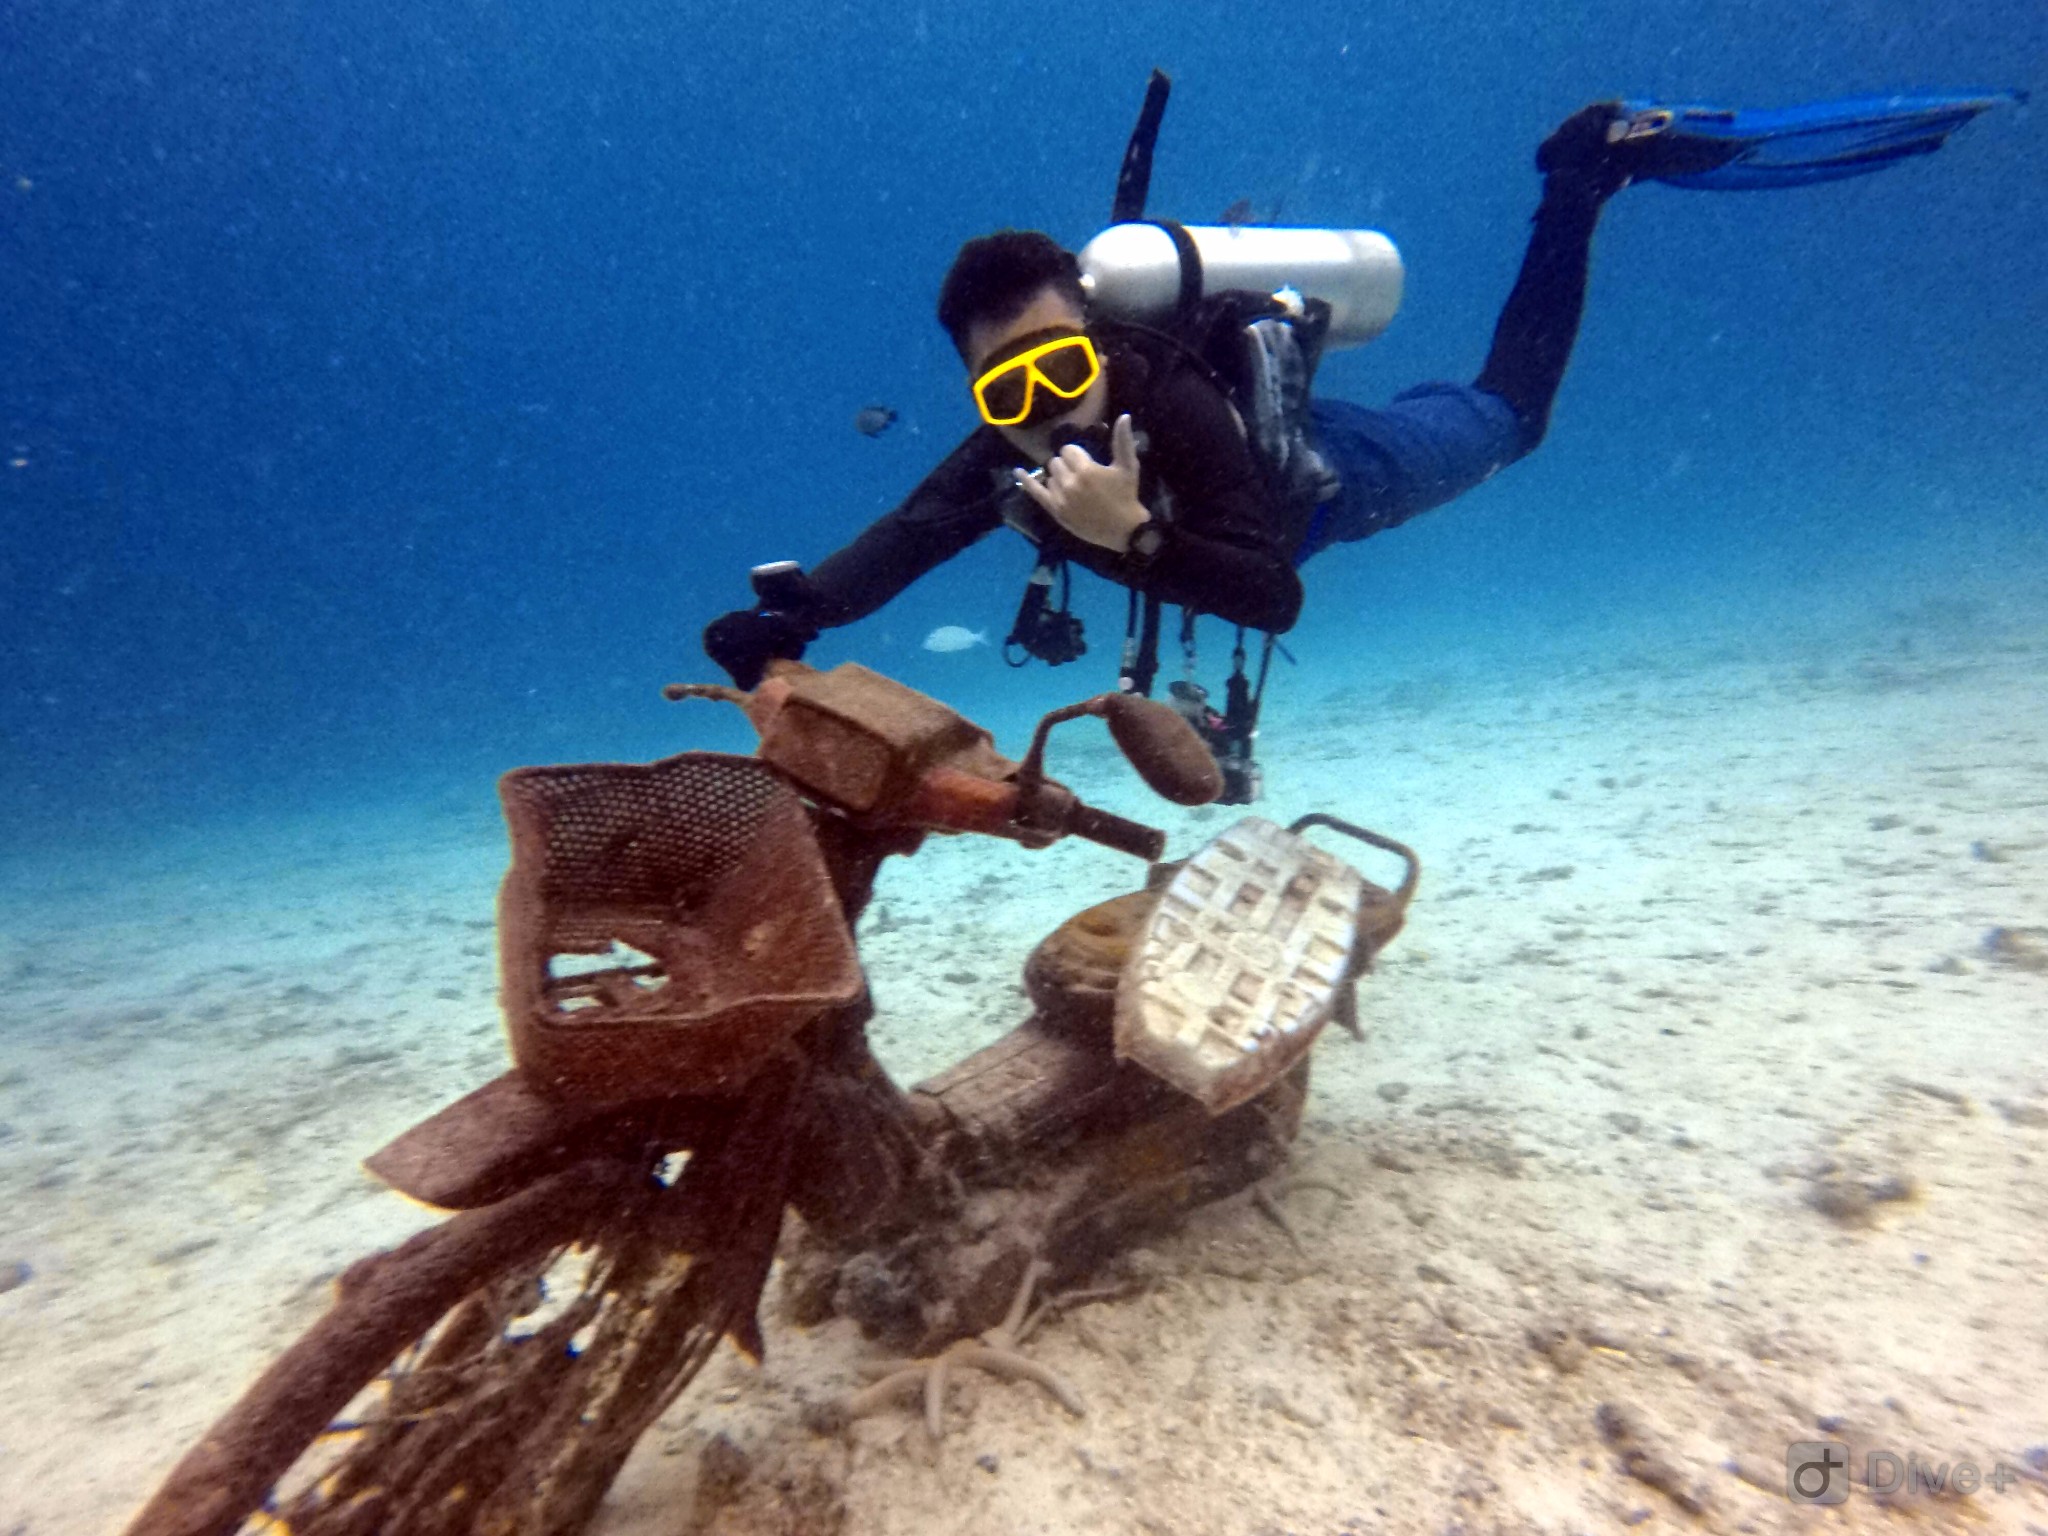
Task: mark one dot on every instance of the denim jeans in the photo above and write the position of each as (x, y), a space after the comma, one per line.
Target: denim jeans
(1426, 446)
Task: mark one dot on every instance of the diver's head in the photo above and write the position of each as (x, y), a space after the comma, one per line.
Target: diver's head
(1014, 307)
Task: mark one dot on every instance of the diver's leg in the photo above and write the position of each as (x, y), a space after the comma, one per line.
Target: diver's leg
(1438, 441)
(1532, 342)
(1428, 445)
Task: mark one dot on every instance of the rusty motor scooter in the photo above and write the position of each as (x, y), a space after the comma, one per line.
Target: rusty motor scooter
(687, 1019)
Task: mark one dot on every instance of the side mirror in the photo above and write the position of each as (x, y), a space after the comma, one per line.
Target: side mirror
(1155, 739)
(1173, 761)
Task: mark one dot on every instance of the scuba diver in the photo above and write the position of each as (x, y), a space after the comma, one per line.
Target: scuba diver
(1196, 478)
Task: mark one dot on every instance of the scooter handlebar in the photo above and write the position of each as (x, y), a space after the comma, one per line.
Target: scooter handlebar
(1118, 832)
(952, 800)
(972, 789)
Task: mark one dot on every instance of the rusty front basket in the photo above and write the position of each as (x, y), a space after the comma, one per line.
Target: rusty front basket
(663, 927)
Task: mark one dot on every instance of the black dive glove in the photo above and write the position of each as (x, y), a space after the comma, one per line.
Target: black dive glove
(744, 642)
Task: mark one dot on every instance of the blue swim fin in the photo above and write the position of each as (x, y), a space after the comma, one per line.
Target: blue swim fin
(1746, 149)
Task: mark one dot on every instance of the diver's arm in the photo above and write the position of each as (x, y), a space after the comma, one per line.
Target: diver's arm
(1222, 554)
(950, 510)
(956, 504)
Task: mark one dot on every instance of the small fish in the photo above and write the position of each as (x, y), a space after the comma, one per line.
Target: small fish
(873, 420)
(1242, 212)
(952, 637)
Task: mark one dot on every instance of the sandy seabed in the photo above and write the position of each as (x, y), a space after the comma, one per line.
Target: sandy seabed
(1704, 1110)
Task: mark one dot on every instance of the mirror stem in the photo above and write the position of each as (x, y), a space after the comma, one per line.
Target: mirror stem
(1031, 772)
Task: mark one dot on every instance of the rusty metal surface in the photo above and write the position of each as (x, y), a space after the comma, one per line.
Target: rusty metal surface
(478, 1149)
(384, 1302)
(696, 890)
(861, 741)
(504, 1136)
(1071, 977)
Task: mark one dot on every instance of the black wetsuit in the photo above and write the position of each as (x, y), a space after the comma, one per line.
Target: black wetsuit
(1228, 549)
(1224, 551)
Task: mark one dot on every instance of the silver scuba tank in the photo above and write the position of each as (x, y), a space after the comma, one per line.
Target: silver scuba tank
(1142, 272)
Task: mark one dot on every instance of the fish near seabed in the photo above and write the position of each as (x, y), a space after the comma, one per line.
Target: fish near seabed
(954, 637)
(873, 420)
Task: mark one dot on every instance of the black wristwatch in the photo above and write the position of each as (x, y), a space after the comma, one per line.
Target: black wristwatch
(1146, 542)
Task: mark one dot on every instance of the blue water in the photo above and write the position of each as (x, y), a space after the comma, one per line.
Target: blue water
(390, 394)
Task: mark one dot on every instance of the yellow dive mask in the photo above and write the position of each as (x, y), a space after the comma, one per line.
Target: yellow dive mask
(1053, 369)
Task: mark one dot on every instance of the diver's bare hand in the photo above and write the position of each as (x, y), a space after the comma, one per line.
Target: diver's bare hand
(1097, 503)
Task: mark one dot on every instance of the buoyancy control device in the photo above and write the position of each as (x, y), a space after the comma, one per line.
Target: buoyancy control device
(1256, 305)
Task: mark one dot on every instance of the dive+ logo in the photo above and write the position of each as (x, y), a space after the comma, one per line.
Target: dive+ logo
(1819, 1472)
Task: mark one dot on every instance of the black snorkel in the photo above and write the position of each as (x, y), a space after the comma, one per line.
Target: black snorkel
(1134, 178)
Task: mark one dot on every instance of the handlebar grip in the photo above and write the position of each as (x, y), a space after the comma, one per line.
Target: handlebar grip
(1118, 832)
